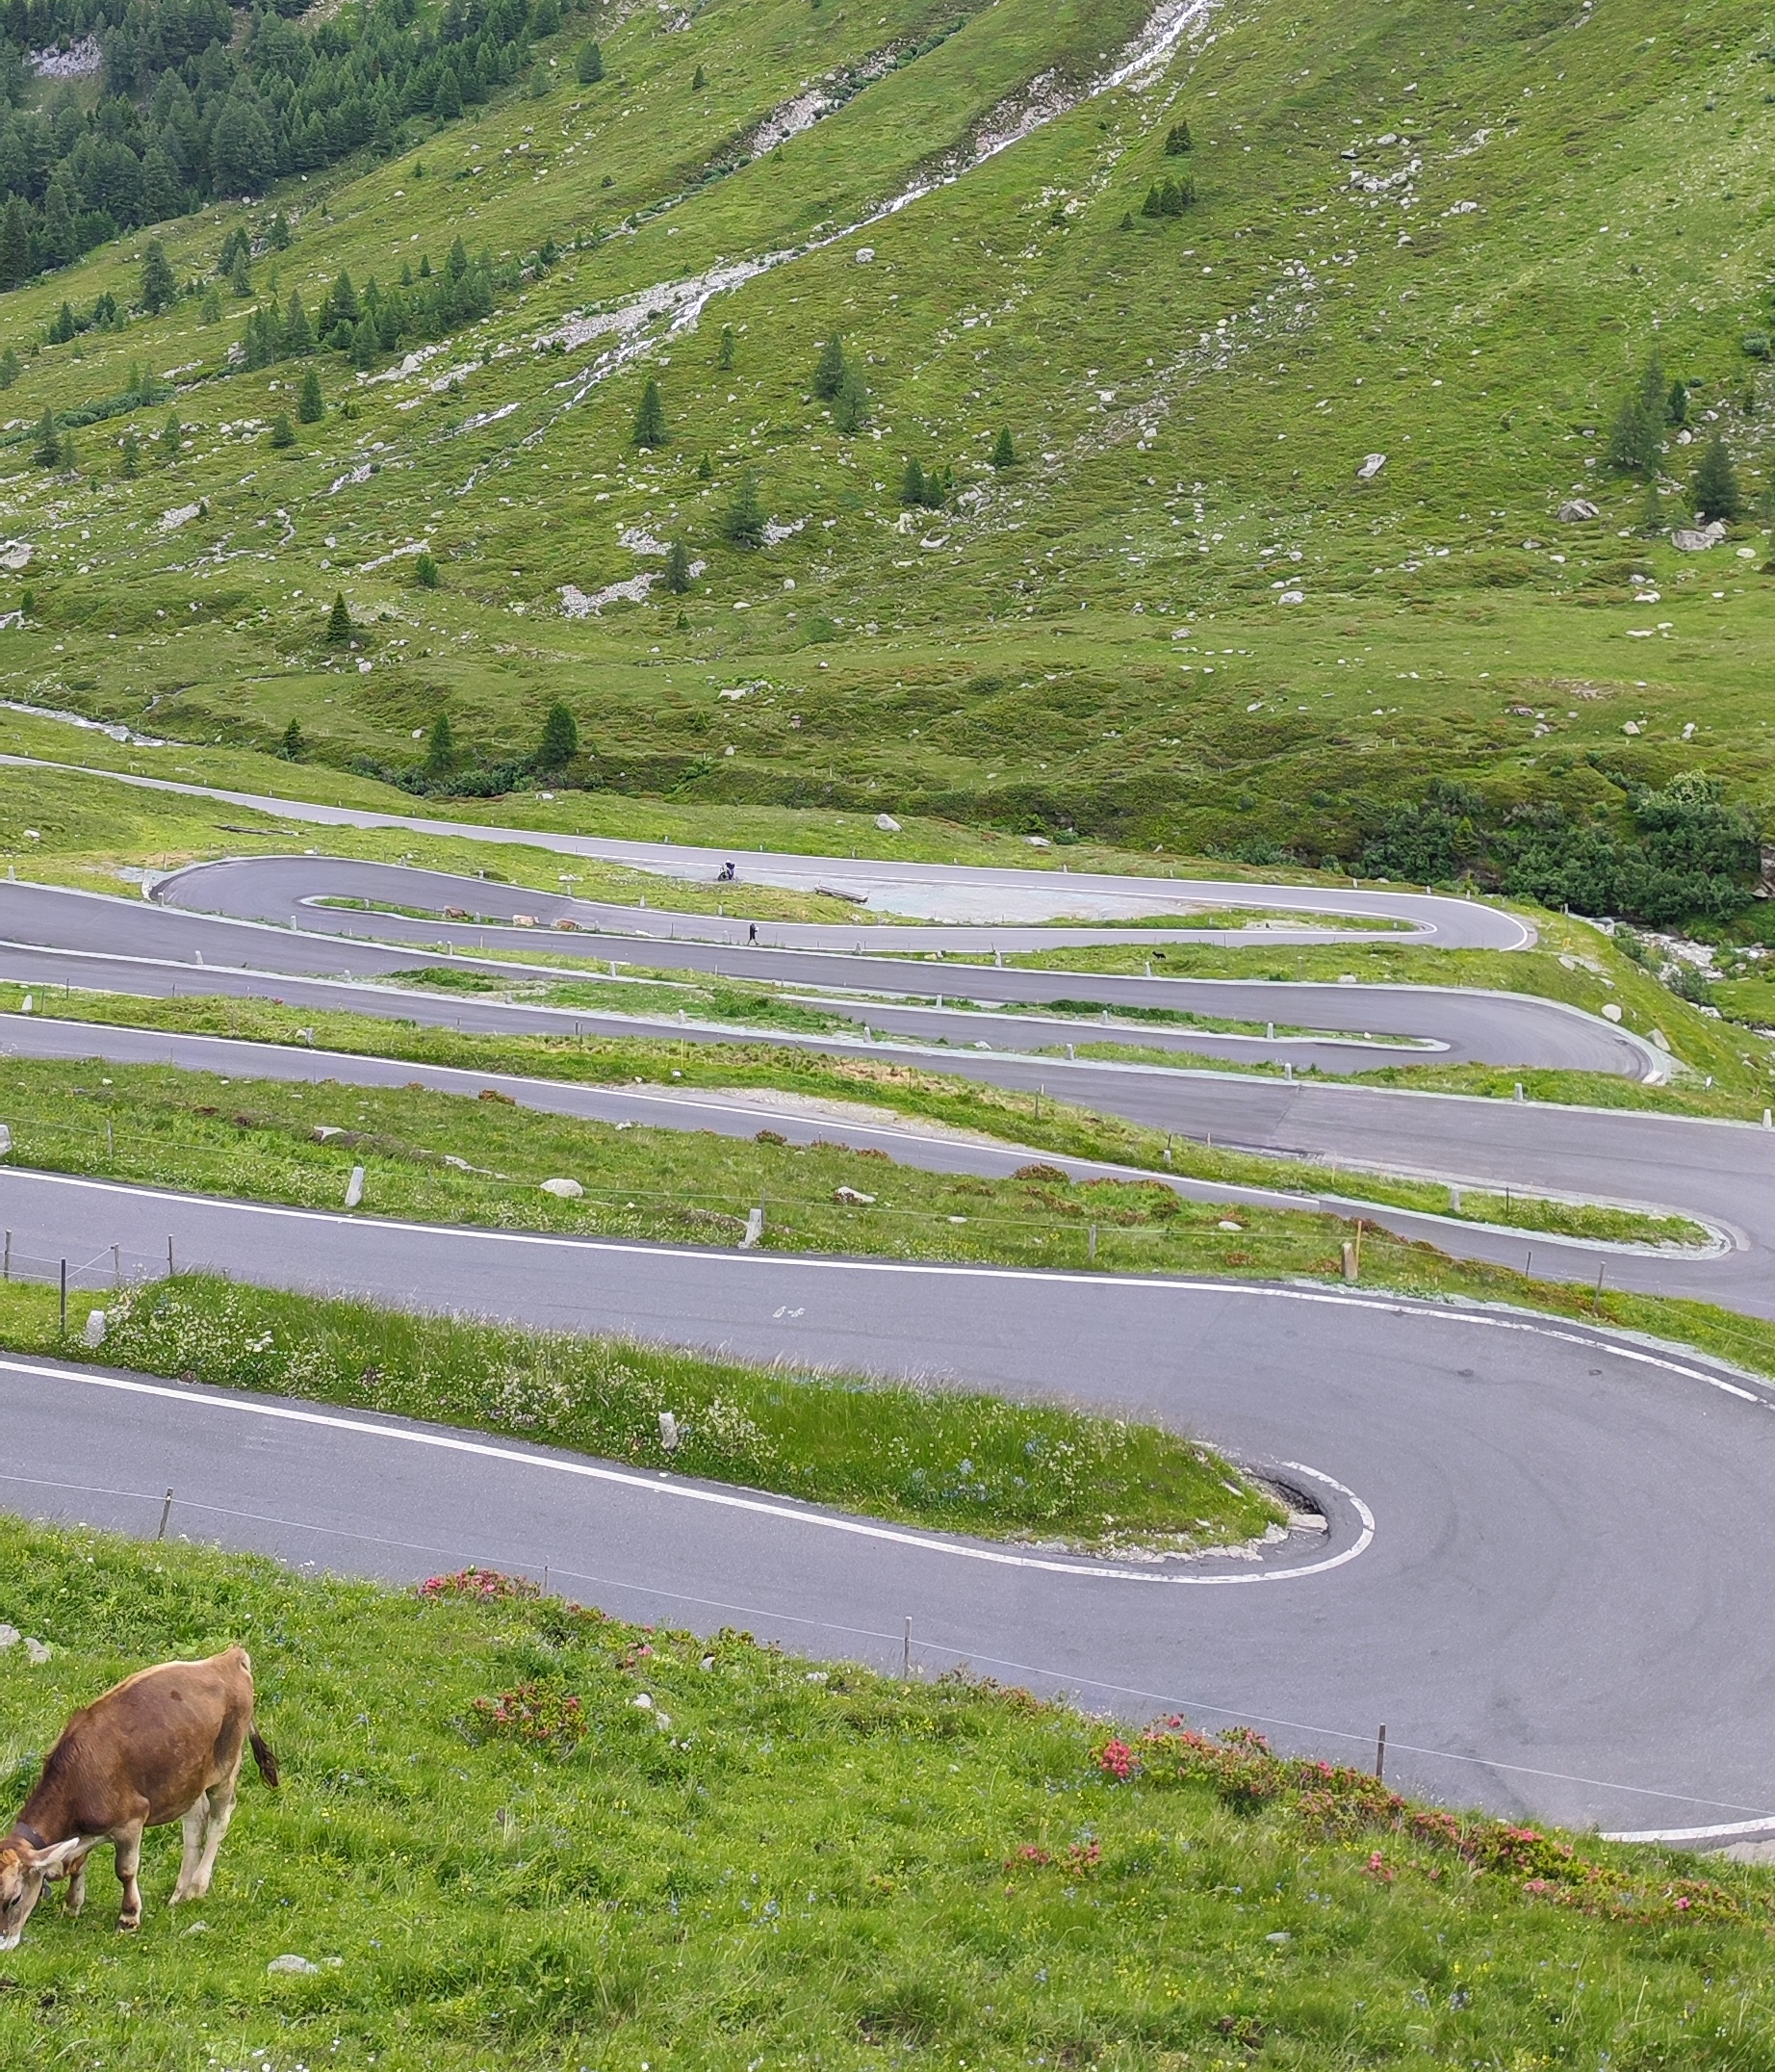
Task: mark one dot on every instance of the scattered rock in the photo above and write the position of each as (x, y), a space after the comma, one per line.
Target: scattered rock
(1692, 539)
(851, 1199)
(887, 824)
(1610, 1011)
(1657, 1037)
(1292, 597)
(1630, 726)
(291, 1966)
(1370, 467)
(564, 1190)
(1577, 510)
(10, 1637)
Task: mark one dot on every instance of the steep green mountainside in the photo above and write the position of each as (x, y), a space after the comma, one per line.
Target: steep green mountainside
(1449, 234)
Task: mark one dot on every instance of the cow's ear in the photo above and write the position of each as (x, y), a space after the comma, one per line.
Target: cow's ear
(53, 1861)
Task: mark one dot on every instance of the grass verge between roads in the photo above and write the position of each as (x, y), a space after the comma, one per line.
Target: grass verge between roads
(492, 1851)
(443, 1156)
(950, 1459)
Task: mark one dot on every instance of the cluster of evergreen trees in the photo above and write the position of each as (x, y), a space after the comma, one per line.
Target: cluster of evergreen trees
(1694, 858)
(1650, 412)
(926, 488)
(1169, 197)
(446, 770)
(188, 112)
(378, 321)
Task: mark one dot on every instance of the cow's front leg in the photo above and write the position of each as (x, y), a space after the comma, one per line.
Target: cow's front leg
(193, 1822)
(128, 1844)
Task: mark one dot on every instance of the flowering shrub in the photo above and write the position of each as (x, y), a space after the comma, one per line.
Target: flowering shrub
(1116, 1759)
(1343, 1803)
(540, 1716)
(482, 1586)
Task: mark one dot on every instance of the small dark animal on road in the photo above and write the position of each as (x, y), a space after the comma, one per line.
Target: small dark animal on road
(165, 1745)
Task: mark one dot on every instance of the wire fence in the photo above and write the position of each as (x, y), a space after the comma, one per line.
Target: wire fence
(110, 1269)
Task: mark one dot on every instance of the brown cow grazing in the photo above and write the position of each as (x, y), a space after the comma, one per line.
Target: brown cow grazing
(165, 1745)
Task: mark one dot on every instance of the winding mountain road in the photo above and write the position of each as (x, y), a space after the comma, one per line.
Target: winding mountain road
(1542, 1543)
(1544, 1561)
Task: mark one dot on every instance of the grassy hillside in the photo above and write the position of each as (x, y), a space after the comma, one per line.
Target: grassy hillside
(1557, 191)
(513, 1831)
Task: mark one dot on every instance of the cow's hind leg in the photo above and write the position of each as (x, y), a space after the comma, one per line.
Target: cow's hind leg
(193, 1822)
(221, 1798)
(128, 1844)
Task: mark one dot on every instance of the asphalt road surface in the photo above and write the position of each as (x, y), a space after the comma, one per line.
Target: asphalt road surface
(1543, 1545)
(971, 894)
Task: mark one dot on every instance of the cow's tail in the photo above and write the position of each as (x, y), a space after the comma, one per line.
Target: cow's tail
(262, 1756)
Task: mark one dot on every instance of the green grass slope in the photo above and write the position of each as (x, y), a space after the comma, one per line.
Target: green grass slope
(514, 1832)
(1451, 235)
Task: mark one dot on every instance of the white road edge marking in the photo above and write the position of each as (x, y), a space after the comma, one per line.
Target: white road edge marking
(1722, 1833)
(659, 1486)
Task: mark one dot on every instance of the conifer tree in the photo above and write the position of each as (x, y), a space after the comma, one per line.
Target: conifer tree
(649, 425)
(560, 740)
(129, 459)
(1177, 140)
(426, 572)
(912, 485)
(677, 568)
(298, 334)
(1717, 495)
(1004, 452)
(292, 745)
(1637, 437)
(700, 81)
(311, 409)
(47, 452)
(829, 369)
(339, 622)
(239, 278)
(283, 433)
(850, 406)
(705, 469)
(725, 357)
(9, 369)
(440, 746)
(209, 308)
(1652, 511)
(158, 289)
(589, 65)
(1154, 203)
(172, 437)
(742, 523)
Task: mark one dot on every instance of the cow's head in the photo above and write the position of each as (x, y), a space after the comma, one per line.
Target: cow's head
(24, 1871)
